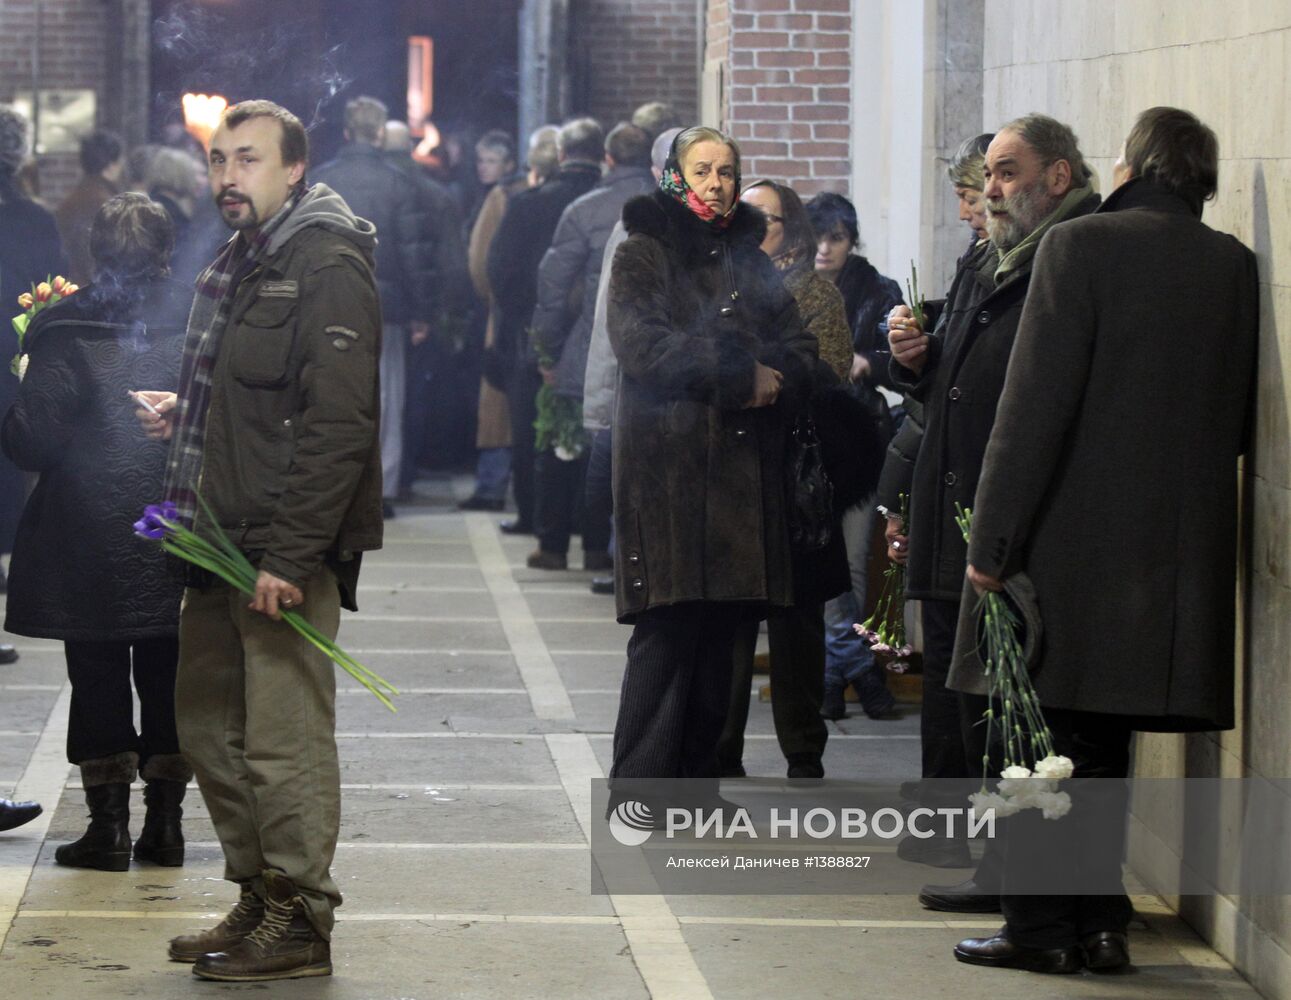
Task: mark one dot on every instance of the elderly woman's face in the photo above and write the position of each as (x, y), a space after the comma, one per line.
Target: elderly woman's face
(709, 169)
(766, 201)
(972, 209)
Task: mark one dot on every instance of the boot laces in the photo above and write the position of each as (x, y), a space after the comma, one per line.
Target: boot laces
(244, 909)
(276, 923)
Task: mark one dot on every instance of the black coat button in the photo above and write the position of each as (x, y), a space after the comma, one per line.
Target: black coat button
(727, 310)
(638, 584)
(984, 317)
(954, 393)
(634, 558)
(713, 253)
(950, 479)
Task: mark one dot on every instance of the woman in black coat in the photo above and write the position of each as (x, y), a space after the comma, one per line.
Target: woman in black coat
(708, 339)
(78, 571)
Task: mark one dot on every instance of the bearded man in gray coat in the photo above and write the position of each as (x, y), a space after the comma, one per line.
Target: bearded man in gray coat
(1127, 401)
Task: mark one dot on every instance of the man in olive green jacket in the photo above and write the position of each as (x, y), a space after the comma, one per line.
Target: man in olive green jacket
(276, 425)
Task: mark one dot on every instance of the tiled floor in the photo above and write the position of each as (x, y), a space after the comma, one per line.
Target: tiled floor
(463, 858)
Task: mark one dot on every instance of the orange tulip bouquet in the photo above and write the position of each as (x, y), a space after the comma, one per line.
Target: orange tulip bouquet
(41, 296)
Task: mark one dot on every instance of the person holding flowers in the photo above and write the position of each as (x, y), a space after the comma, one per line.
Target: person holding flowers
(77, 573)
(275, 422)
(1105, 407)
(31, 251)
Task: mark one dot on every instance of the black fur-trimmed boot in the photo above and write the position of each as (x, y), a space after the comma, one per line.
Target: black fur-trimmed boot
(166, 779)
(106, 842)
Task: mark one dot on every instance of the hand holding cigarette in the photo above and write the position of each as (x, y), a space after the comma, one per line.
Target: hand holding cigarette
(155, 412)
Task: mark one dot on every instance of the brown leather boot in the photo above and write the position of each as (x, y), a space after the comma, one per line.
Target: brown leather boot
(246, 915)
(284, 946)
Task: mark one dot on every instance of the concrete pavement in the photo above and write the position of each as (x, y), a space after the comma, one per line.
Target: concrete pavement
(463, 855)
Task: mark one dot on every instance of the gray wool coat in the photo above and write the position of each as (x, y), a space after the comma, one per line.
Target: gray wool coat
(699, 481)
(1111, 474)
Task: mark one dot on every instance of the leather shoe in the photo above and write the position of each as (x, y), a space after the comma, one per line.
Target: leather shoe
(538, 559)
(963, 897)
(938, 852)
(14, 814)
(1106, 951)
(1000, 953)
(482, 503)
(516, 527)
(603, 585)
(8, 654)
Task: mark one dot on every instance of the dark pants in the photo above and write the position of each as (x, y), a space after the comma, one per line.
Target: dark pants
(1089, 841)
(598, 486)
(419, 373)
(941, 722)
(558, 507)
(676, 690)
(101, 721)
(797, 637)
(522, 401)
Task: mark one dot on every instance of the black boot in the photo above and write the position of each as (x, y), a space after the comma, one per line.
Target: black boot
(162, 840)
(106, 843)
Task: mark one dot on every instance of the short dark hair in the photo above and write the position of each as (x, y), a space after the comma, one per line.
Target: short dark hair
(499, 142)
(295, 140)
(99, 150)
(131, 238)
(829, 211)
(799, 232)
(1175, 149)
(581, 139)
(628, 145)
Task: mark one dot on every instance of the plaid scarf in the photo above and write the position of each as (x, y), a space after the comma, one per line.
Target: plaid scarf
(212, 306)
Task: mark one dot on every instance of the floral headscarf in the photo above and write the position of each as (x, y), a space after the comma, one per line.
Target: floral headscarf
(673, 183)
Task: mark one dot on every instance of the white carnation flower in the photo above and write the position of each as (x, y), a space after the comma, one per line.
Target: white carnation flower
(1055, 768)
(984, 802)
(1014, 771)
(565, 454)
(1054, 805)
(22, 366)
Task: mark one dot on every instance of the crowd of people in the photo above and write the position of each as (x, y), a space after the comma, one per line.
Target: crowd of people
(696, 372)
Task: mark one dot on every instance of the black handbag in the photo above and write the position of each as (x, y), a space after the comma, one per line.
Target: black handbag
(811, 494)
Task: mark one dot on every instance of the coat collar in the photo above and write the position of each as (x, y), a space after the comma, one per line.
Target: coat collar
(660, 216)
(1140, 193)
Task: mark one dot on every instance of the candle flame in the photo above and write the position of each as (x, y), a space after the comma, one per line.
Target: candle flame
(202, 114)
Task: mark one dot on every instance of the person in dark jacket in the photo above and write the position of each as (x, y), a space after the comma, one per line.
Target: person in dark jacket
(708, 339)
(1036, 179)
(867, 297)
(1104, 392)
(517, 249)
(276, 418)
(562, 331)
(78, 572)
(797, 633)
(31, 251)
(392, 202)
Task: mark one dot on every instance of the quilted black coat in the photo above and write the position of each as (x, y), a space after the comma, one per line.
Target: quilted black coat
(699, 481)
(78, 571)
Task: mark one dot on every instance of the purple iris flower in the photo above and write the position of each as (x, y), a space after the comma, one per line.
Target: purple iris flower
(158, 520)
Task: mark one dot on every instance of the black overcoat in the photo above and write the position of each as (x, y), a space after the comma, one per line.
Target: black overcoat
(78, 571)
(1111, 477)
(699, 481)
(960, 389)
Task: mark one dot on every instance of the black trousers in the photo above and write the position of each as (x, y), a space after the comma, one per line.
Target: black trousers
(101, 721)
(522, 401)
(559, 505)
(598, 486)
(419, 374)
(676, 690)
(1089, 842)
(797, 638)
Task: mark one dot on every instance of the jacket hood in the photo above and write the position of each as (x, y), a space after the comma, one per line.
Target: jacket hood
(323, 207)
(659, 215)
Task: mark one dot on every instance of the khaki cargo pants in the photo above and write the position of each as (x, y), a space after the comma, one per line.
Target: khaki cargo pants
(256, 712)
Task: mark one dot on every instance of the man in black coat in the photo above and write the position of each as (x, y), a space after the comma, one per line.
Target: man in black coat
(517, 249)
(1035, 179)
(388, 198)
(1105, 403)
(562, 332)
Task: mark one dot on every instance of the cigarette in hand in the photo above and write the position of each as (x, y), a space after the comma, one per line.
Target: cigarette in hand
(143, 402)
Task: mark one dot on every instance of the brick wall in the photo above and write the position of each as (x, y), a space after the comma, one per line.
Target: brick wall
(72, 55)
(788, 79)
(633, 51)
